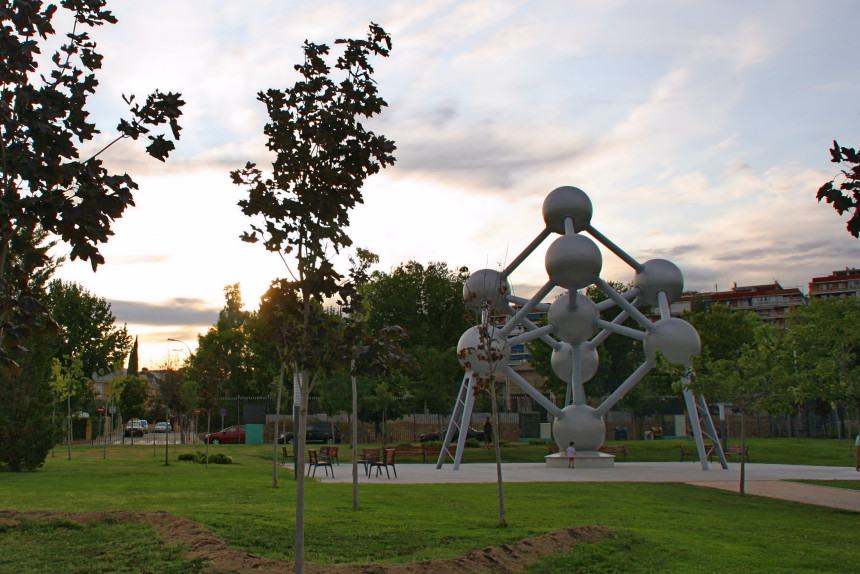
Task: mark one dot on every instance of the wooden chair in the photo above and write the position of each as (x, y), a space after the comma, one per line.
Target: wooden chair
(287, 455)
(385, 461)
(331, 453)
(314, 461)
(368, 457)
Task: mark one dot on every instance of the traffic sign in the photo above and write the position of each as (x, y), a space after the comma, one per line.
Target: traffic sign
(100, 410)
(223, 412)
(198, 411)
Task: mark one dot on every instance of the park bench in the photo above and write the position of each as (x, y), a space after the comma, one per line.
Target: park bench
(736, 450)
(693, 452)
(413, 451)
(432, 452)
(614, 449)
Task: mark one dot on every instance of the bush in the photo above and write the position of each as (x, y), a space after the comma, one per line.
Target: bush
(473, 443)
(432, 443)
(536, 442)
(200, 457)
(504, 443)
(404, 444)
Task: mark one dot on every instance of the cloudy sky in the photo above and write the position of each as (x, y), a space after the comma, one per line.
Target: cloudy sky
(700, 131)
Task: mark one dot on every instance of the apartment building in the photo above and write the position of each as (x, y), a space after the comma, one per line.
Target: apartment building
(842, 283)
(771, 302)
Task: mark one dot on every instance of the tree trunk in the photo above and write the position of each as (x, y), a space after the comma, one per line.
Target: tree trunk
(69, 421)
(502, 522)
(208, 431)
(354, 439)
(743, 458)
(166, 441)
(299, 441)
(277, 422)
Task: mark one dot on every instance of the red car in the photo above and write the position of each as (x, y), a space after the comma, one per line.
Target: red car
(230, 435)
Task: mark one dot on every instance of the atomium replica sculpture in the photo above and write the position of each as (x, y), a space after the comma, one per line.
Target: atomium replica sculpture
(575, 330)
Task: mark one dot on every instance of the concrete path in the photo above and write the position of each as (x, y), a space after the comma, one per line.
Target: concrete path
(761, 479)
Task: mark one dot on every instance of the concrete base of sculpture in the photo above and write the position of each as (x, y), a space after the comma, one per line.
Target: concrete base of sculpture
(584, 459)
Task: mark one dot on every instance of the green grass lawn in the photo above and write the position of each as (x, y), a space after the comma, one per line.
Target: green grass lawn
(664, 527)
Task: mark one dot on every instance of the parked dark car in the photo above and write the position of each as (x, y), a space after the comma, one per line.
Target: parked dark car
(230, 435)
(440, 435)
(315, 432)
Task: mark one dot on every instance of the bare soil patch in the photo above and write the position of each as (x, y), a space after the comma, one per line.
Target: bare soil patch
(203, 543)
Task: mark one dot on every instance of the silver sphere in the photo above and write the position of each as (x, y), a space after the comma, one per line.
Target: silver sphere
(675, 338)
(562, 362)
(580, 425)
(483, 357)
(659, 275)
(567, 201)
(573, 262)
(575, 325)
(486, 285)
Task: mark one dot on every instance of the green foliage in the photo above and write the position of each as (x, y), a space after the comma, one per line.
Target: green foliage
(847, 196)
(132, 393)
(200, 457)
(28, 428)
(45, 185)
(89, 331)
(825, 339)
(536, 442)
(425, 301)
(472, 443)
(133, 360)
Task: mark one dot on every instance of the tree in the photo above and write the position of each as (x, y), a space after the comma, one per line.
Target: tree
(749, 381)
(133, 360)
(323, 154)
(826, 338)
(427, 303)
(27, 427)
(88, 329)
(67, 382)
(132, 394)
(847, 196)
(44, 183)
(723, 334)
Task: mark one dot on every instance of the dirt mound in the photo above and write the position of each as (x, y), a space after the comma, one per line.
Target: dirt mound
(202, 543)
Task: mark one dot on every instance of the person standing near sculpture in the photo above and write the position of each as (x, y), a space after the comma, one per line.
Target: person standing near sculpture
(571, 454)
(488, 432)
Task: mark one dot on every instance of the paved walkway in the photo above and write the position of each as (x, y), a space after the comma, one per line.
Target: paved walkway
(761, 479)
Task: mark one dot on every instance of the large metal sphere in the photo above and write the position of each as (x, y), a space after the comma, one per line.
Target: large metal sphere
(580, 425)
(659, 275)
(573, 262)
(567, 201)
(575, 325)
(486, 285)
(675, 338)
(483, 355)
(562, 362)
